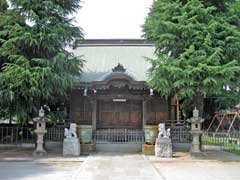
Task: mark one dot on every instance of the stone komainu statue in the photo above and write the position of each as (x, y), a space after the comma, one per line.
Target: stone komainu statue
(163, 145)
(71, 133)
(71, 145)
(162, 131)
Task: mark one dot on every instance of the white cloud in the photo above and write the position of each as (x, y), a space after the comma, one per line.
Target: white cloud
(112, 18)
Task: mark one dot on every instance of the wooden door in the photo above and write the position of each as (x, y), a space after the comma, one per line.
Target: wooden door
(119, 114)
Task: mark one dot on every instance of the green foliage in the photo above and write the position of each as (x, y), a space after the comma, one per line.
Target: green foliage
(35, 65)
(198, 47)
(3, 5)
(225, 141)
(56, 117)
(238, 118)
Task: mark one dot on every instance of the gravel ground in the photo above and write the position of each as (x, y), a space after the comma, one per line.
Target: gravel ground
(18, 164)
(211, 165)
(199, 170)
(37, 171)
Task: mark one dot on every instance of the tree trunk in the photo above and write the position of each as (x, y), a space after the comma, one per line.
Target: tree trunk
(10, 113)
(198, 102)
(10, 118)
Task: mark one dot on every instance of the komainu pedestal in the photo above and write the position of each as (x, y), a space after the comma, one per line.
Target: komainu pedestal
(71, 145)
(163, 145)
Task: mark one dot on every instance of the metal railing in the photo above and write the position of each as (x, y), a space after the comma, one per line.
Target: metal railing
(223, 139)
(25, 135)
(180, 134)
(17, 135)
(55, 134)
(118, 136)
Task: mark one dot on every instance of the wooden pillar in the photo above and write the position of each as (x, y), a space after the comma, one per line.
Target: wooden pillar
(144, 112)
(173, 111)
(94, 114)
(178, 111)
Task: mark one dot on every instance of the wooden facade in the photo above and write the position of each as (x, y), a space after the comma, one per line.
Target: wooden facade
(119, 101)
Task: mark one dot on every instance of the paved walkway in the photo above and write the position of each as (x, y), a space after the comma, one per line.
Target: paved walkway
(116, 167)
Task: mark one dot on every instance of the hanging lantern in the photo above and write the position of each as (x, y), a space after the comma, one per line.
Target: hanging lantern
(151, 92)
(85, 92)
(41, 112)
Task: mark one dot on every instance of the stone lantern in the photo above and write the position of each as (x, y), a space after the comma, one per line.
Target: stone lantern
(196, 131)
(40, 131)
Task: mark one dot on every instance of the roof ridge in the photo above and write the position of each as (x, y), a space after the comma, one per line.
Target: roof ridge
(115, 42)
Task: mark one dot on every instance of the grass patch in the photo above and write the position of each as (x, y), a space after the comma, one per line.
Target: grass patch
(218, 141)
(233, 151)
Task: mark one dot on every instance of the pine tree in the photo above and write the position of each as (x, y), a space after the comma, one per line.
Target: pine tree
(198, 48)
(37, 65)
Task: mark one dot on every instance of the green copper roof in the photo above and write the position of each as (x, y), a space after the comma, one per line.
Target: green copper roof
(102, 58)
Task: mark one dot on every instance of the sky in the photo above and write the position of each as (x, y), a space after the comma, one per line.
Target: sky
(106, 19)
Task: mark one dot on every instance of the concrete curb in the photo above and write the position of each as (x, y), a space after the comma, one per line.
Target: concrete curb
(193, 161)
(45, 160)
(10, 161)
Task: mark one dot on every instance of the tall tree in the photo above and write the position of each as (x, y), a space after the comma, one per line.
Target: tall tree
(8, 18)
(3, 5)
(38, 65)
(198, 48)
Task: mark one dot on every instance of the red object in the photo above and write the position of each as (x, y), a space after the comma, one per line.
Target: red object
(229, 116)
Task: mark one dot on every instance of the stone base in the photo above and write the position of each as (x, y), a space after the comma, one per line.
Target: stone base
(148, 149)
(197, 154)
(163, 147)
(39, 153)
(86, 149)
(71, 147)
(195, 148)
(119, 147)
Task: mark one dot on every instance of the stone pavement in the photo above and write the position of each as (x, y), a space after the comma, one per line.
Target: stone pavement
(110, 166)
(211, 165)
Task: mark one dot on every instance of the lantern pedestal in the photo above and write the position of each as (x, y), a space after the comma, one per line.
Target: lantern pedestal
(40, 131)
(196, 132)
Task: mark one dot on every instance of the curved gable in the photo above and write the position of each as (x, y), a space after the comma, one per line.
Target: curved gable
(101, 56)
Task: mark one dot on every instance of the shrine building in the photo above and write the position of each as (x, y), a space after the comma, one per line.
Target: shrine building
(112, 92)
